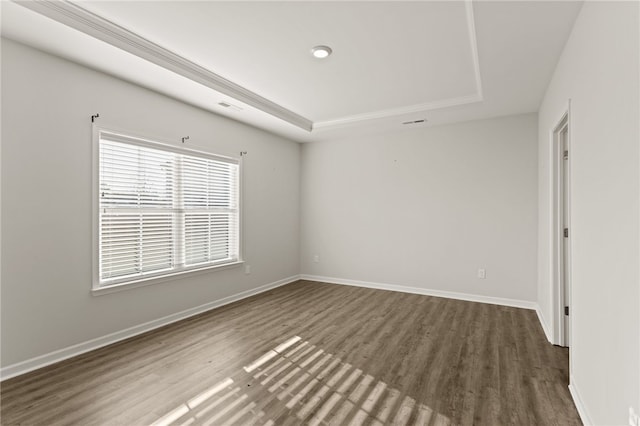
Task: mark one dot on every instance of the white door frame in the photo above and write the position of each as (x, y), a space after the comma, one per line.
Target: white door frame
(561, 264)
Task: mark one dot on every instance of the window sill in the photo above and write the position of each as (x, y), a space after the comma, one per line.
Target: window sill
(106, 289)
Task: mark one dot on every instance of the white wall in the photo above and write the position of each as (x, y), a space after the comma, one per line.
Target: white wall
(46, 203)
(599, 72)
(426, 207)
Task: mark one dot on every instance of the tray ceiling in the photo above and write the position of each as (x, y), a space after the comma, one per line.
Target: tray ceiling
(392, 61)
(386, 55)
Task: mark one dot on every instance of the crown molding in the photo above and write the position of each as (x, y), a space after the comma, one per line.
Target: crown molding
(473, 43)
(76, 17)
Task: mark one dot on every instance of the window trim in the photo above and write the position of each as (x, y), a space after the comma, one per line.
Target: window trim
(157, 143)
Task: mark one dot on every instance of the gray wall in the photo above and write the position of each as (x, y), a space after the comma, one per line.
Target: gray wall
(46, 203)
(426, 208)
(598, 71)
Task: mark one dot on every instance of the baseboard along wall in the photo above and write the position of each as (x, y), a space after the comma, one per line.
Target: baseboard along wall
(426, 292)
(577, 400)
(80, 348)
(90, 345)
(544, 325)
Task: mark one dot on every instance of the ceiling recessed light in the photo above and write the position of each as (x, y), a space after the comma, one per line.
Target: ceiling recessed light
(321, 52)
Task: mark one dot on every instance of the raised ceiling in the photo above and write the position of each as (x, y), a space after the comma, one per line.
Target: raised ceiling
(392, 61)
(386, 55)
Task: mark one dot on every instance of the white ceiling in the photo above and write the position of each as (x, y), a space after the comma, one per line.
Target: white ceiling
(392, 61)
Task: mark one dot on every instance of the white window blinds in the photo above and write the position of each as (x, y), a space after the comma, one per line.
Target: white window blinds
(163, 210)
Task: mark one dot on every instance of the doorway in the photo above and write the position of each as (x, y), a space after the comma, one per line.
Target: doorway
(562, 252)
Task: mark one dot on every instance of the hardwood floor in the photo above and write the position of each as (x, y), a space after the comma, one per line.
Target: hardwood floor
(311, 353)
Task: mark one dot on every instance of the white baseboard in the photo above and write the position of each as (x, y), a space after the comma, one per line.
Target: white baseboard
(577, 400)
(71, 351)
(80, 348)
(426, 292)
(543, 323)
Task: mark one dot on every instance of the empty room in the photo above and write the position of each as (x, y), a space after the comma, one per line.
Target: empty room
(320, 213)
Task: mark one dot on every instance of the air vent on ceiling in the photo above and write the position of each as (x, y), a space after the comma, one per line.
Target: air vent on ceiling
(228, 105)
(414, 121)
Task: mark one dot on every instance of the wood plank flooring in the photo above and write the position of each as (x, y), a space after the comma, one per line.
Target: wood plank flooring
(317, 354)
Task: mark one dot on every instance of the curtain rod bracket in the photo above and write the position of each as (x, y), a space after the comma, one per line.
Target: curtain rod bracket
(186, 138)
(243, 153)
(93, 117)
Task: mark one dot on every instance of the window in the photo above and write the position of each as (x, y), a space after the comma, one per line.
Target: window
(162, 210)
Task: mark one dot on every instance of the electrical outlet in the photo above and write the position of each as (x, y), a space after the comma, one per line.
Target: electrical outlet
(634, 419)
(247, 269)
(316, 258)
(482, 273)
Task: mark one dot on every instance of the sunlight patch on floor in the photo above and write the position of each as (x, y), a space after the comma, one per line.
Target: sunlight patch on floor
(298, 380)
